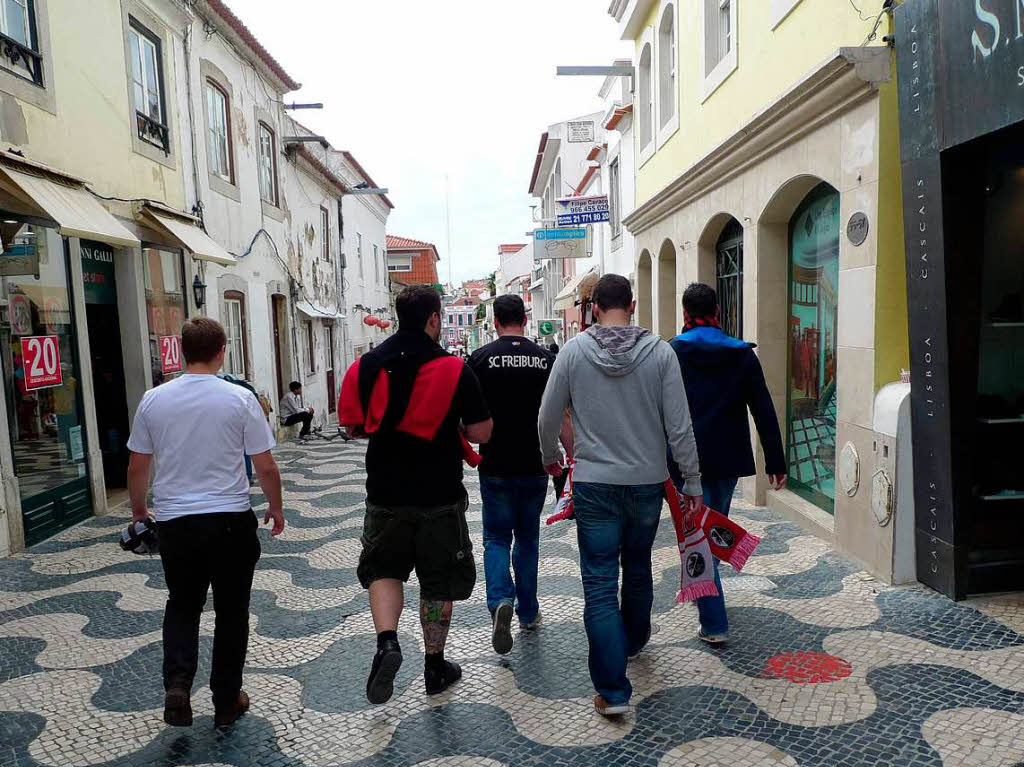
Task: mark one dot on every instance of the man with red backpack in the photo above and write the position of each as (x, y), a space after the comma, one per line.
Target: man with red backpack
(417, 403)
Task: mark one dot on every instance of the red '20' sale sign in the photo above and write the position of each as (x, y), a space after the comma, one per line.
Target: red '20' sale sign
(170, 354)
(41, 355)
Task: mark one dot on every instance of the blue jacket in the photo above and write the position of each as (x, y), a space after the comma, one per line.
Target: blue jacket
(723, 378)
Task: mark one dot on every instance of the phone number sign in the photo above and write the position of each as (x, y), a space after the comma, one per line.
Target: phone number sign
(41, 355)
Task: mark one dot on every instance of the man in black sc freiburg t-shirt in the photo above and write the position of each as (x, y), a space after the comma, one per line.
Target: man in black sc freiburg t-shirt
(513, 372)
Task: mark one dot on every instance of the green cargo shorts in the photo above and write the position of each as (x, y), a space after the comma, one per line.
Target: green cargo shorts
(432, 539)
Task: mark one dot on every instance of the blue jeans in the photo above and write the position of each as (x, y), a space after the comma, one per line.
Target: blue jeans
(616, 523)
(713, 618)
(248, 467)
(512, 509)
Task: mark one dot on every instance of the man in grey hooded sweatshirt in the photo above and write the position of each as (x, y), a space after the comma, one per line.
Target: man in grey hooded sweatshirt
(624, 392)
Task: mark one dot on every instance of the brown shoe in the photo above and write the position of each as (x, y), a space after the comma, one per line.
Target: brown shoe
(604, 708)
(231, 713)
(178, 707)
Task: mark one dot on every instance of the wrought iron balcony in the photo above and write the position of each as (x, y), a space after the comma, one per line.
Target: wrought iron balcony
(154, 132)
(22, 59)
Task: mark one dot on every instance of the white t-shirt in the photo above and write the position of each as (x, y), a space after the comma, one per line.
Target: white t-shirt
(198, 428)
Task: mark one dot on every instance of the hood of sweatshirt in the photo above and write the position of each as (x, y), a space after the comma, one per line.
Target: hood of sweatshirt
(616, 351)
(707, 347)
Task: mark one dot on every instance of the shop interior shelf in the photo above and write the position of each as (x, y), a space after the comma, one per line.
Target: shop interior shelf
(1017, 419)
(1004, 324)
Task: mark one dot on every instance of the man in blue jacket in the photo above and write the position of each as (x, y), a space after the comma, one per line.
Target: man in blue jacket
(723, 378)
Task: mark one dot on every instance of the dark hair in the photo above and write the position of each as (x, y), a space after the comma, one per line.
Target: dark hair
(700, 300)
(509, 310)
(202, 339)
(613, 291)
(414, 306)
(553, 348)
(294, 386)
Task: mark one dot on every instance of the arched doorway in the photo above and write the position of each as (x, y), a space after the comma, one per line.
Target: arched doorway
(644, 292)
(729, 277)
(667, 290)
(812, 345)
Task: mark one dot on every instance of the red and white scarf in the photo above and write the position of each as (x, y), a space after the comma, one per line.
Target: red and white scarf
(714, 535)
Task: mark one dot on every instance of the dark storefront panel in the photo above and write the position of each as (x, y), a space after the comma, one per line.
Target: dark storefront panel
(961, 87)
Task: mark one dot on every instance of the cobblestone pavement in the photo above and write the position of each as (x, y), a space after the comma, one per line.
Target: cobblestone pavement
(826, 666)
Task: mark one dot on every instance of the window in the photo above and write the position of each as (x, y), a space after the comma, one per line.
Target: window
(147, 91)
(268, 164)
(218, 138)
(400, 265)
(310, 358)
(15, 21)
(615, 196)
(325, 234)
(376, 265)
(359, 252)
(645, 107)
(166, 309)
(235, 361)
(667, 116)
(719, 42)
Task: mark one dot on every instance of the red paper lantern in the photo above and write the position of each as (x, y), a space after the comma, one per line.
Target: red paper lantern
(384, 325)
(368, 320)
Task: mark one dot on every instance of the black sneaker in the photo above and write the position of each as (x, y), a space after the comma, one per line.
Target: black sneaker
(501, 633)
(440, 679)
(381, 684)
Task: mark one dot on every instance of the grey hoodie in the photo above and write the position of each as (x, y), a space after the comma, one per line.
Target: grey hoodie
(625, 394)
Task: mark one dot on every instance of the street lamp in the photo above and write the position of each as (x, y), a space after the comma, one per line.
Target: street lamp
(199, 292)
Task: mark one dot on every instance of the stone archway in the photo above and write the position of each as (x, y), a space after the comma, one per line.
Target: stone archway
(667, 310)
(644, 292)
(721, 242)
(770, 323)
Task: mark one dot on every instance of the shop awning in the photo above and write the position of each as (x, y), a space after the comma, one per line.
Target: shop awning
(186, 233)
(318, 314)
(76, 212)
(566, 297)
(537, 284)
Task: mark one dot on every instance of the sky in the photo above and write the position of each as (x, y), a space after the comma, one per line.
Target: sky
(418, 91)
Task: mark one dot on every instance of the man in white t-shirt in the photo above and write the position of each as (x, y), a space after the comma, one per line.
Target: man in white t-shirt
(197, 430)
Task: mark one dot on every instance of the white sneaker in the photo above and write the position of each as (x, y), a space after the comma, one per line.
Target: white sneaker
(712, 638)
(604, 708)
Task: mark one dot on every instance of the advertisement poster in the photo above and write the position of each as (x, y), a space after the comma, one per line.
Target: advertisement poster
(41, 358)
(170, 354)
(75, 441)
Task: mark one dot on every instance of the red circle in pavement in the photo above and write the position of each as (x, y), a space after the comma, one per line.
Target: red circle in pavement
(807, 667)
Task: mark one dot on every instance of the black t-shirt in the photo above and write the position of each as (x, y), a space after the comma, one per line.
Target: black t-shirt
(513, 372)
(403, 470)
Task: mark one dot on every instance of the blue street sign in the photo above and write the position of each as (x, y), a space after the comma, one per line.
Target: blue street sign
(580, 219)
(560, 234)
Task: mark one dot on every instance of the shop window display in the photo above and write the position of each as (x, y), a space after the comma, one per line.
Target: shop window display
(165, 310)
(813, 316)
(42, 380)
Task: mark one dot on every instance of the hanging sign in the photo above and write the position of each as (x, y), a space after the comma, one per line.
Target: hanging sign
(559, 243)
(41, 357)
(170, 354)
(578, 211)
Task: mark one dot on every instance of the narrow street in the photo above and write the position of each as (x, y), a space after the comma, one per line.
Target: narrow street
(826, 666)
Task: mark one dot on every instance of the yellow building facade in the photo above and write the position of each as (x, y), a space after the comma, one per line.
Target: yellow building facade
(768, 167)
(94, 264)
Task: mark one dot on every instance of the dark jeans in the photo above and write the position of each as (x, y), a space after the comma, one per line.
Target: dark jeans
(713, 618)
(304, 418)
(616, 523)
(512, 509)
(200, 550)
